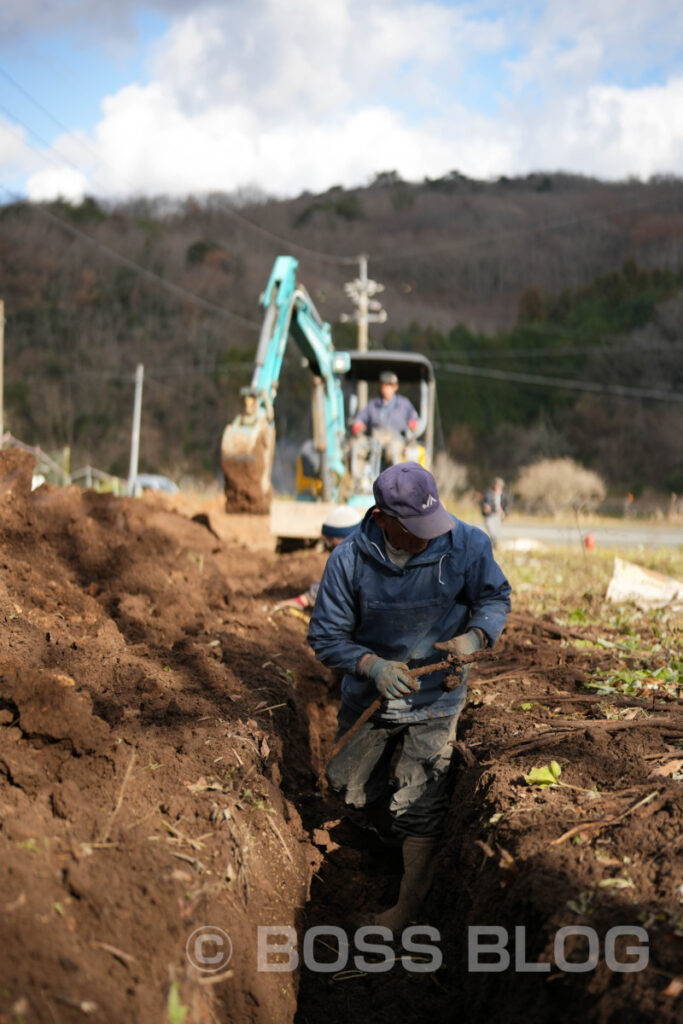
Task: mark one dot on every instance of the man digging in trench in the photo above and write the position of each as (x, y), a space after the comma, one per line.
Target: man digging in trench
(411, 576)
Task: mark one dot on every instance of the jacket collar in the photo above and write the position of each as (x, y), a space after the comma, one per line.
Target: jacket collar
(370, 540)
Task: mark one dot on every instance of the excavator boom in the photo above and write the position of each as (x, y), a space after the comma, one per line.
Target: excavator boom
(329, 468)
(248, 443)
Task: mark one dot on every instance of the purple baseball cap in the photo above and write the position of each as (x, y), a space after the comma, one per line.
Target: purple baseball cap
(408, 492)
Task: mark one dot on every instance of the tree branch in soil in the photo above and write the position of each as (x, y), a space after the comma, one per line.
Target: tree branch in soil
(668, 725)
(119, 803)
(598, 824)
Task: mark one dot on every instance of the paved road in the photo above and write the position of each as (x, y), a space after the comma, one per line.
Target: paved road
(628, 535)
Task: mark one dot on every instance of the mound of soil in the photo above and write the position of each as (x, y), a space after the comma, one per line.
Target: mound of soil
(163, 737)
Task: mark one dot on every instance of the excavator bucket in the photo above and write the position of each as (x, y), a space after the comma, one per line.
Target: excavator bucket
(247, 450)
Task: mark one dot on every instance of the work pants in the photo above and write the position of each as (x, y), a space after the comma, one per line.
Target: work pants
(416, 792)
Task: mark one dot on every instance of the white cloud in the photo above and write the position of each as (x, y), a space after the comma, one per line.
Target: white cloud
(59, 182)
(312, 59)
(290, 97)
(224, 148)
(591, 39)
(13, 148)
(606, 131)
(301, 94)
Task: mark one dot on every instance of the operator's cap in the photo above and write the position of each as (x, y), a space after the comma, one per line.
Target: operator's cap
(407, 491)
(341, 521)
(388, 377)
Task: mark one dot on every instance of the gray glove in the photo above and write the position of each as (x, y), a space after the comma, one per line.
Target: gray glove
(467, 643)
(392, 678)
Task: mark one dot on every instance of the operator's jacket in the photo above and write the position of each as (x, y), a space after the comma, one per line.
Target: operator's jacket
(366, 604)
(393, 415)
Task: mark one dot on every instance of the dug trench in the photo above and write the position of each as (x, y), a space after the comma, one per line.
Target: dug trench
(163, 739)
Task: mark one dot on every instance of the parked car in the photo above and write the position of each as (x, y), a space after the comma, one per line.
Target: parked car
(153, 482)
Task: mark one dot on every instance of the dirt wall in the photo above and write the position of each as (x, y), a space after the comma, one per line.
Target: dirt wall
(163, 737)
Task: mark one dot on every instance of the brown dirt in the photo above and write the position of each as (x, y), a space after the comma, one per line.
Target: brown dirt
(246, 462)
(162, 743)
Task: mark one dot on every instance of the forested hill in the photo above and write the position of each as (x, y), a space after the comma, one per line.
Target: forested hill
(547, 276)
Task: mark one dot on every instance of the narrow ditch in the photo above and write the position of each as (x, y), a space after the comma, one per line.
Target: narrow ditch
(498, 868)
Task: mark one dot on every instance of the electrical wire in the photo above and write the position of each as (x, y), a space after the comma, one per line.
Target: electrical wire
(320, 256)
(560, 382)
(173, 289)
(551, 353)
(376, 257)
(39, 106)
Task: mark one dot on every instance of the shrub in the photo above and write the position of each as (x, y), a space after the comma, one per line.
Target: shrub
(450, 476)
(555, 485)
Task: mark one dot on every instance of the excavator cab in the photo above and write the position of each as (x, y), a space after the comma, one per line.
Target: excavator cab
(416, 381)
(330, 470)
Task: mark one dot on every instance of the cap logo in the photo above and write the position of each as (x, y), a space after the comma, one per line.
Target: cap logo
(431, 500)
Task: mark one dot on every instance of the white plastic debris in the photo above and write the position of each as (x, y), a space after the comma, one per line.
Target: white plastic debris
(523, 544)
(647, 589)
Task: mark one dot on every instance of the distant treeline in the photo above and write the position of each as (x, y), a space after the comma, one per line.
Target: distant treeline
(625, 330)
(550, 275)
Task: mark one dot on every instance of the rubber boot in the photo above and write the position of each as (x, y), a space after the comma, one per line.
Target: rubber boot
(418, 872)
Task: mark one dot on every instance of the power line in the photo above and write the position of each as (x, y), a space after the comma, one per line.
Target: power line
(113, 254)
(468, 243)
(321, 256)
(461, 244)
(174, 289)
(60, 124)
(455, 368)
(560, 382)
(376, 257)
(45, 154)
(550, 353)
(44, 110)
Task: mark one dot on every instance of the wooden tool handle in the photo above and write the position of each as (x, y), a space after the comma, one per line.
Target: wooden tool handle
(453, 661)
(362, 718)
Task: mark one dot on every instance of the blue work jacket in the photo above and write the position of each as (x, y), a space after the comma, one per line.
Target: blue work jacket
(366, 604)
(393, 415)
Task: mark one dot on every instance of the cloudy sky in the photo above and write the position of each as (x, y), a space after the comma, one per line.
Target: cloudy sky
(117, 97)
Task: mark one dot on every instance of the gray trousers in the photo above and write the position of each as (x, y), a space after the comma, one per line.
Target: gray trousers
(492, 524)
(416, 792)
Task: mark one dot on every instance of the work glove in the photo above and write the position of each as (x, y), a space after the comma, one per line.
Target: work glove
(467, 643)
(392, 678)
(357, 429)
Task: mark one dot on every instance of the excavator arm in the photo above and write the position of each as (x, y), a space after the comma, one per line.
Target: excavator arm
(248, 443)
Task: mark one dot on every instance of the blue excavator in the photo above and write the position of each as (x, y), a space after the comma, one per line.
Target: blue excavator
(327, 472)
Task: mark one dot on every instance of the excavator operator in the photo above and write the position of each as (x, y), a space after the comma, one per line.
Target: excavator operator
(390, 418)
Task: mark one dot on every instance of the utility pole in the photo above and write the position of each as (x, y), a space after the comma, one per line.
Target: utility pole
(135, 437)
(2, 370)
(368, 310)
